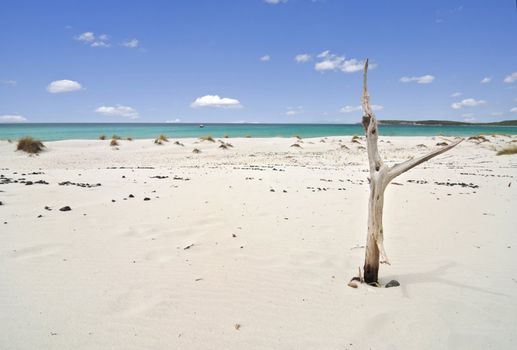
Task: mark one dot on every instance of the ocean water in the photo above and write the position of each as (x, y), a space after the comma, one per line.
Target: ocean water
(70, 131)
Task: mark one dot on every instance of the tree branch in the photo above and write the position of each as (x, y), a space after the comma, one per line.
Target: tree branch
(400, 168)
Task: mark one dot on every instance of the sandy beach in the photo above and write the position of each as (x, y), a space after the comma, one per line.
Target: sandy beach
(252, 247)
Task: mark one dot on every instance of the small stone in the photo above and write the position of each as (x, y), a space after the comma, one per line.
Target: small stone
(65, 208)
(113, 201)
(352, 284)
(1, 203)
(131, 196)
(147, 199)
(40, 216)
(392, 283)
(28, 183)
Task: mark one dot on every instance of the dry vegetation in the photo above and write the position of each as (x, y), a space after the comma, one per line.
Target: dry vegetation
(113, 142)
(30, 145)
(508, 150)
(163, 138)
(102, 137)
(195, 150)
(178, 143)
(478, 138)
(207, 138)
(116, 137)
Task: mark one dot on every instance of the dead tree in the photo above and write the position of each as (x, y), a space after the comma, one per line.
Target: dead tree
(380, 176)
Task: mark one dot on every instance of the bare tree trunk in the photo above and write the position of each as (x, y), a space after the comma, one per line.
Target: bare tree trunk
(380, 176)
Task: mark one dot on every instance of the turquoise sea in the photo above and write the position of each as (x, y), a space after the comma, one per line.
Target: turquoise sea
(69, 131)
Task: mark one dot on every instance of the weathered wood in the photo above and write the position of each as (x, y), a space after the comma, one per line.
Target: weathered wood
(380, 176)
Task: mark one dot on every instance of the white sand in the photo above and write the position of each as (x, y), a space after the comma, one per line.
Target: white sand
(115, 275)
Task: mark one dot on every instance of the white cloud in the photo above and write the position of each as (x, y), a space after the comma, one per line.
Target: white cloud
(215, 101)
(9, 82)
(177, 120)
(292, 111)
(513, 110)
(469, 102)
(512, 78)
(350, 109)
(87, 37)
(302, 58)
(456, 94)
(118, 111)
(90, 39)
(424, 79)
(12, 119)
(486, 80)
(274, 2)
(330, 61)
(265, 58)
(59, 86)
(132, 44)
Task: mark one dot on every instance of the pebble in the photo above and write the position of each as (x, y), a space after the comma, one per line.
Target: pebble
(65, 208)
(392, 283)
(147, 199)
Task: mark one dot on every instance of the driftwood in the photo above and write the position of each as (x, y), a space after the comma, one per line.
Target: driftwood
(380, 176)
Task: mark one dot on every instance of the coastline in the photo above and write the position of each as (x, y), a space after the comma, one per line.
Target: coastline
(261, 235)
(92, 131)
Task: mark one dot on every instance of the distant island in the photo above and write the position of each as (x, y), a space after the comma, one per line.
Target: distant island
(443, 122)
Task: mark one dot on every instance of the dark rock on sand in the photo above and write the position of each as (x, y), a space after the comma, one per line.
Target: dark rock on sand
(65, 208)
(147, 199)
(392, 283)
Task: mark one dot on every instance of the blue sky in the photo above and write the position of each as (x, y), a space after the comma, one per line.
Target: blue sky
(282, 61)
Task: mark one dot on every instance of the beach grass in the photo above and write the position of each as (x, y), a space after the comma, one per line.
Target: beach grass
(163, 138)
(113, 142)
(30, 145)
(207, 138)
(508, 150)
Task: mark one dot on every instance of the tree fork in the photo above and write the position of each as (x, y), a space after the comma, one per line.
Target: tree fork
(380, 176)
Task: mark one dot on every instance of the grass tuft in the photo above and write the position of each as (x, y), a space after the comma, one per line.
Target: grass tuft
(207, 138)
(113, 142)
(478, 138)
(507, 151)
(163, 138)
(102, 137)
(116, 137)
(30, 145)
(195, 150)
